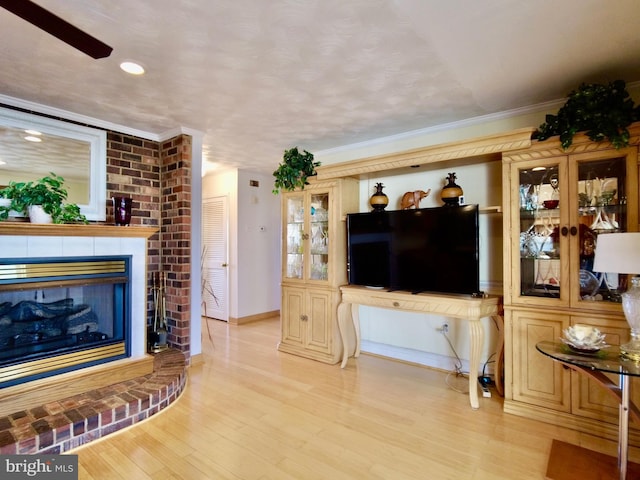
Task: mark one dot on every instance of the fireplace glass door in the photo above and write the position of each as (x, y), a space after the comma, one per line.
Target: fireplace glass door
(61, 314)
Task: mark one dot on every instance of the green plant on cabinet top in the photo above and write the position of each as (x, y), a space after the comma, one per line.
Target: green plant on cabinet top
(294, 170)
(601, 111)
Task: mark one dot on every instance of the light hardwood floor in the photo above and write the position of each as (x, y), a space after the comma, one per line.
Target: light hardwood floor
(252, 413)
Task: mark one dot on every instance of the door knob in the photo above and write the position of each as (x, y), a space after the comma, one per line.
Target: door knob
(225, 264)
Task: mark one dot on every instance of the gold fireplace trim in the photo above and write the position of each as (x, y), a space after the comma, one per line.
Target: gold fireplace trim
(43, 365)
(19, 271)
(84, 282)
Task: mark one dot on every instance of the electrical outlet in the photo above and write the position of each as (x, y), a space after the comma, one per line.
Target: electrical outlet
(444, 328)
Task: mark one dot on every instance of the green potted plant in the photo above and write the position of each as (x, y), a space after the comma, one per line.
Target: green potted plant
(70, 213)
(5, 204)
(48, 194)
(294, 170)
(601, 111)
(9, 205)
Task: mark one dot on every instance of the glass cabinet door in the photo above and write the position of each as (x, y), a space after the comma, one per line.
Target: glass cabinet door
(600, 186)
(319, 236)
(565, 204)
(543, 205)
(295, 236)
(307, 236)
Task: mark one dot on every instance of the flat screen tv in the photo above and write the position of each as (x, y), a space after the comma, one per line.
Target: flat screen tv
(419, 250)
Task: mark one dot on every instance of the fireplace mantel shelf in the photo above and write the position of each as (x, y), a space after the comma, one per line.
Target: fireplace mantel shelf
(73, 230)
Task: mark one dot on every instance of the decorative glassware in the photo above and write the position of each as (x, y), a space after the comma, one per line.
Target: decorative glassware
(631, 308)
(524, 196)
(122, 210)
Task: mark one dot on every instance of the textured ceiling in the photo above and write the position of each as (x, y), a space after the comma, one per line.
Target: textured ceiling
(261, 76)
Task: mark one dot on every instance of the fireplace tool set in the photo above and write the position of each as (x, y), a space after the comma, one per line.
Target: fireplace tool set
(158, 336)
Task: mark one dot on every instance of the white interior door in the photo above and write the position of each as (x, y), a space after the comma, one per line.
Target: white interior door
(215, 277)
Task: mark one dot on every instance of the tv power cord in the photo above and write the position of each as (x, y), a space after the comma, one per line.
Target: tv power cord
(484, 380)
(458, 365)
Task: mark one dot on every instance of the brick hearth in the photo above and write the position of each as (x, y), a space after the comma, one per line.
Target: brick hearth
(64, 424)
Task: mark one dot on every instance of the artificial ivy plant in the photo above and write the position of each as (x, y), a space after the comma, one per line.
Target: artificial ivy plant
(294, 170)
(601, 111)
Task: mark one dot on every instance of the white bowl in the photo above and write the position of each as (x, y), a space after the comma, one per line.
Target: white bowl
(584, 337)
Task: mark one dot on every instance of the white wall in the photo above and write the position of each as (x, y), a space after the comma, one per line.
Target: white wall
(196, 241)
(254, 255)
(259, 226)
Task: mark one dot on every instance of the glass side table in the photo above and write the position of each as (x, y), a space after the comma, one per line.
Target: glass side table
(577, 462)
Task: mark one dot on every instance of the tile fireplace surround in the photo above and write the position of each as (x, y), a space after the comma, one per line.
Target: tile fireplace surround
(26, 240)
(58, 424)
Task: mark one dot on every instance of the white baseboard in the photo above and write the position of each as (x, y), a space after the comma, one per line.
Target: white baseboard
(433, 360)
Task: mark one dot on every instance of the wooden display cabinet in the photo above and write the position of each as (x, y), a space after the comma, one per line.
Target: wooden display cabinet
(556, 203)
(314, 263)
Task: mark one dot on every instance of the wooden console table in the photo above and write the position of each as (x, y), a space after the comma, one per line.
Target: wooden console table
(454, 306)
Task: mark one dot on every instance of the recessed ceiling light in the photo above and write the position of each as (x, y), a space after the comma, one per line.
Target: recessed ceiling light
(132, 68)
(32, 138)
(32, 132)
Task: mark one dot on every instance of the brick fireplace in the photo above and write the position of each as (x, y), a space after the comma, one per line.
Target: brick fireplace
(68, 409)
(157, 175)
(22, 240)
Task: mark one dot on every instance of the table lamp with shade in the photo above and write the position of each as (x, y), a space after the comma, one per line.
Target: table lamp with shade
(620, 253)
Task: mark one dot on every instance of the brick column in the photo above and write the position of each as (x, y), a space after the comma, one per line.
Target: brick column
(175, 239)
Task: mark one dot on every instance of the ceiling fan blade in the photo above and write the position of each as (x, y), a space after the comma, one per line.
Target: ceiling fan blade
(59, 28)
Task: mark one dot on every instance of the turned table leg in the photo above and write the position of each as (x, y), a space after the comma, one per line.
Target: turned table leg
(476, 340)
